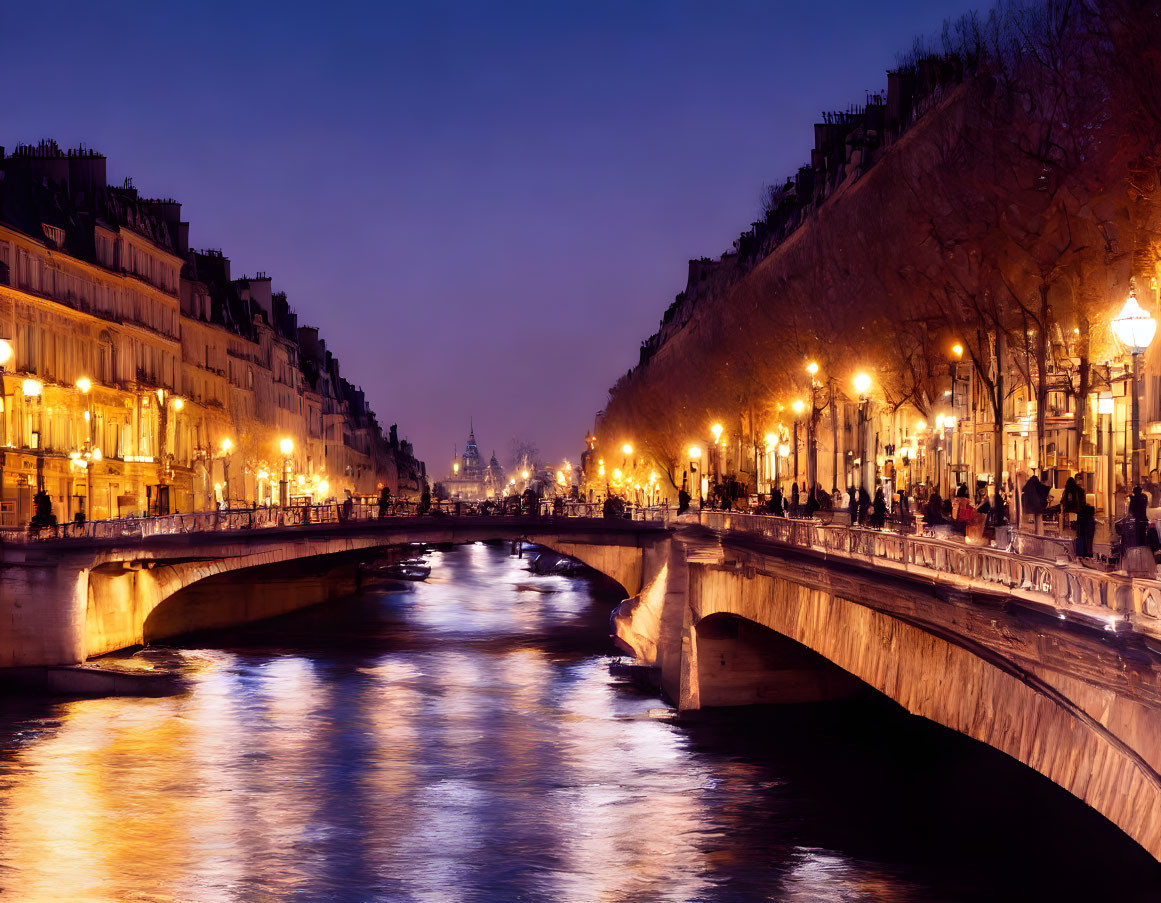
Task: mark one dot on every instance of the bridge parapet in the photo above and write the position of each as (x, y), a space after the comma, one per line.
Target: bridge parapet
(1066, 587)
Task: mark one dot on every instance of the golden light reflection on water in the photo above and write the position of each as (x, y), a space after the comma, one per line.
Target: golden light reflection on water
(448, 756)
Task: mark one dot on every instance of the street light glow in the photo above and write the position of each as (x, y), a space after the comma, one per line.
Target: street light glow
(799, 406)
(770, 439)
(862, 383)
(226, 446)
(524, 474)
(695, 452)
(1133, 326)
(32, 387)
(286, 446)
(5, 352)
(716, 429)
(84, 384)
(812, 368)
(627, 448)
(957, 349)
(178, 404)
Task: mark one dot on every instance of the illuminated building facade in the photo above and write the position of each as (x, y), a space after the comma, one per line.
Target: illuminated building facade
(143, 378)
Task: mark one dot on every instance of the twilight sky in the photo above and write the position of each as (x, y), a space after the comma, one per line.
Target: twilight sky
(485, 206)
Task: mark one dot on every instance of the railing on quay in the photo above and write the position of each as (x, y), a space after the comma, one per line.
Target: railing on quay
(304, 515)
(1024, 570)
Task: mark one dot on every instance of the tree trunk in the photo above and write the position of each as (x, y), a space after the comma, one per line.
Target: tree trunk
(1042, 375)
(998, 429)
(1083, 389)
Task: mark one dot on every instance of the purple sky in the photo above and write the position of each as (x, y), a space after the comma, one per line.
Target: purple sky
(484, 206)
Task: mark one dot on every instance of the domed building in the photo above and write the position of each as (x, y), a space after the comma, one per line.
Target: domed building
(469, 479)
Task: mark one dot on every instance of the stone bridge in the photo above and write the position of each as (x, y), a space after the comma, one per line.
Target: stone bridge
(733, 618)
(64, 601)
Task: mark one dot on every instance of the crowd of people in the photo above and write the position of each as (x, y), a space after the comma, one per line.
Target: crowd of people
(962, 511)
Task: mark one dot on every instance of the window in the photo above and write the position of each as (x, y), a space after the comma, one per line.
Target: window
(106, 359)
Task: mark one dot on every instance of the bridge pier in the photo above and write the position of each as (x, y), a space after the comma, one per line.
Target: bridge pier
(42, 612)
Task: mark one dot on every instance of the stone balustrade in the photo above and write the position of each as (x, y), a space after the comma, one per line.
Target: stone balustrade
(1064, 586)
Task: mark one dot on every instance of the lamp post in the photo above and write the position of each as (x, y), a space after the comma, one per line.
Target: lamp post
(811, 431)
(1134, 329)
(286, 446)
(227, 445)
(716, 429)
(798, 407)
(694, 456)
(1106, 405)
(862, 384)
(5, 357)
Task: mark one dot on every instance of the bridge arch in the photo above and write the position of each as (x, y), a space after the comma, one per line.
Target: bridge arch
(942, 678)
(117, 592)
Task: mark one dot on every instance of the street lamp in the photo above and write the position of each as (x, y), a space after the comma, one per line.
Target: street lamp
(286, 446)
(694, 457)
(1134, 329)
(811, 437)
(797, 407)
(226, 446)
(716, 429)
(862, 384)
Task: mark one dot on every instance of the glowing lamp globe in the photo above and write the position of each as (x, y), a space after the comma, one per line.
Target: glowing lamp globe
(799, 406)
(770, 439)
(32, 387)
(695, 452)
(5, 352)
(716, 429)
(1133, 326)
(84, 384)
(286, 446)
(627, 448)
(862, 383)
(812, 368)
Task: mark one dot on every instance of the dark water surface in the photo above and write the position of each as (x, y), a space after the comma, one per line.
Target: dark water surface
(475, 738)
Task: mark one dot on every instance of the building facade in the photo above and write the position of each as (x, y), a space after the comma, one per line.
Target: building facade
(140, 377)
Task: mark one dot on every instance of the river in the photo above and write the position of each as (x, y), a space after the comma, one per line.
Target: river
(477, 738)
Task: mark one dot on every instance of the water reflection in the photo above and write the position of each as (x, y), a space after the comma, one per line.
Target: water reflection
(466, 740)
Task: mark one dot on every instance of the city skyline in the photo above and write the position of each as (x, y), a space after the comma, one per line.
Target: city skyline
(617, 155)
